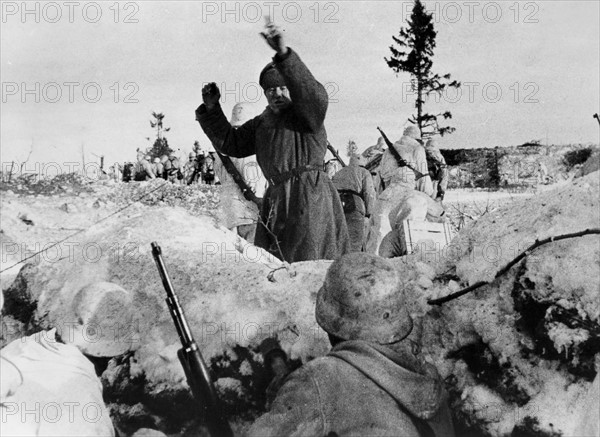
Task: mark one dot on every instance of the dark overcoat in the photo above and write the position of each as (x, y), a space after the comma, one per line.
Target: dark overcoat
(301, 217)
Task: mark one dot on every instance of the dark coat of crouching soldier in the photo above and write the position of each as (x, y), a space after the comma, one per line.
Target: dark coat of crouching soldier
(301, 217)
(371, 383)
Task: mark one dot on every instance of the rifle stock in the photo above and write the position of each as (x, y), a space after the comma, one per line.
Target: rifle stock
(335, 153)
(193, 364)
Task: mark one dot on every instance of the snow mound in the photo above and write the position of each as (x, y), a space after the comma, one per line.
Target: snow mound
(234, 295)
(519, 354)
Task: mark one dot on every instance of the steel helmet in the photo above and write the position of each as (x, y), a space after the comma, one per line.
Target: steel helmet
(412, 131)
(241, 113)
(433, 151)
(104, 320)
(432, 144)
(361, 299)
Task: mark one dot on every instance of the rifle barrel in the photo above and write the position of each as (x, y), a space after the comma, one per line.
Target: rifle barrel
(183, 330)
(195, 369)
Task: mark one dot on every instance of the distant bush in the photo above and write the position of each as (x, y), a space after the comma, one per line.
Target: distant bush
(575, 157)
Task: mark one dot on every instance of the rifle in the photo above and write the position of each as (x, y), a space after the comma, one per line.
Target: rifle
(401, 162)
(239, 180)
(597, 118)
(373, 163)
(335, 153)
(191, 359)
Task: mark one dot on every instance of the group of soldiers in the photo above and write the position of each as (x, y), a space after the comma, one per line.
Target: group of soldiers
(360, 189)
(198, 169)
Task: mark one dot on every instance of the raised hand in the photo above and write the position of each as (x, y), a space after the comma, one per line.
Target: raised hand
(210, 95)
(274, 37)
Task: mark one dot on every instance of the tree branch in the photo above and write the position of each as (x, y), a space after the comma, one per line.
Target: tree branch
(508, 266)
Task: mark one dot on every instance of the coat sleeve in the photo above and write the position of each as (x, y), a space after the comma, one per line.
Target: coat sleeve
(238, 143)
(296, 411)
(444, 175)
(309, 97)
(368, 192)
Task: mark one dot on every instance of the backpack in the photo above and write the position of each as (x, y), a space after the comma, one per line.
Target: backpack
(348, 201)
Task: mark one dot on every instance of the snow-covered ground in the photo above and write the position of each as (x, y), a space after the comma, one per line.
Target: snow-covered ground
(517, 355)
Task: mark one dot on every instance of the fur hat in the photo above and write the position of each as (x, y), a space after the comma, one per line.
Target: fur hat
(270, 77)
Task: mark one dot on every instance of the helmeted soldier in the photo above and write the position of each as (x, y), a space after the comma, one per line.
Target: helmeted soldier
(438, 170)
(143, 168)
(173, 169)
(191, 169)
(162, 167)
(355, 186)
(149, 168)
(372, 382)
(208, 169)
(376, 150)
(415, 174)
(58, 366)
(401, 182)
(248, 167)
(158, 167)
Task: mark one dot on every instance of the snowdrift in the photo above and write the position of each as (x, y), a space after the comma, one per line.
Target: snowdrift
(520, 353)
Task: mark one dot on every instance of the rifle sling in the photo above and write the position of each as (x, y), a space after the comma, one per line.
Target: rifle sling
(402, 163)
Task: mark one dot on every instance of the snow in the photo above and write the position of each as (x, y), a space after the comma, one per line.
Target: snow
(235, 295)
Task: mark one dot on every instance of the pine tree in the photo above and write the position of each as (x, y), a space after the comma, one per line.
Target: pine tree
(419, 38)
(161, 145)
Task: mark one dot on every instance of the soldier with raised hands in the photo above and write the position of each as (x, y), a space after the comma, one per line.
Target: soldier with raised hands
(301, 217)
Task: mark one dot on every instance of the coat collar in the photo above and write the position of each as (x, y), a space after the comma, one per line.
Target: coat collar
(414, 385)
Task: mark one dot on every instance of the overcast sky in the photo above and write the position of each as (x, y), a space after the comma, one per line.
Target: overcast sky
(529, 70)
